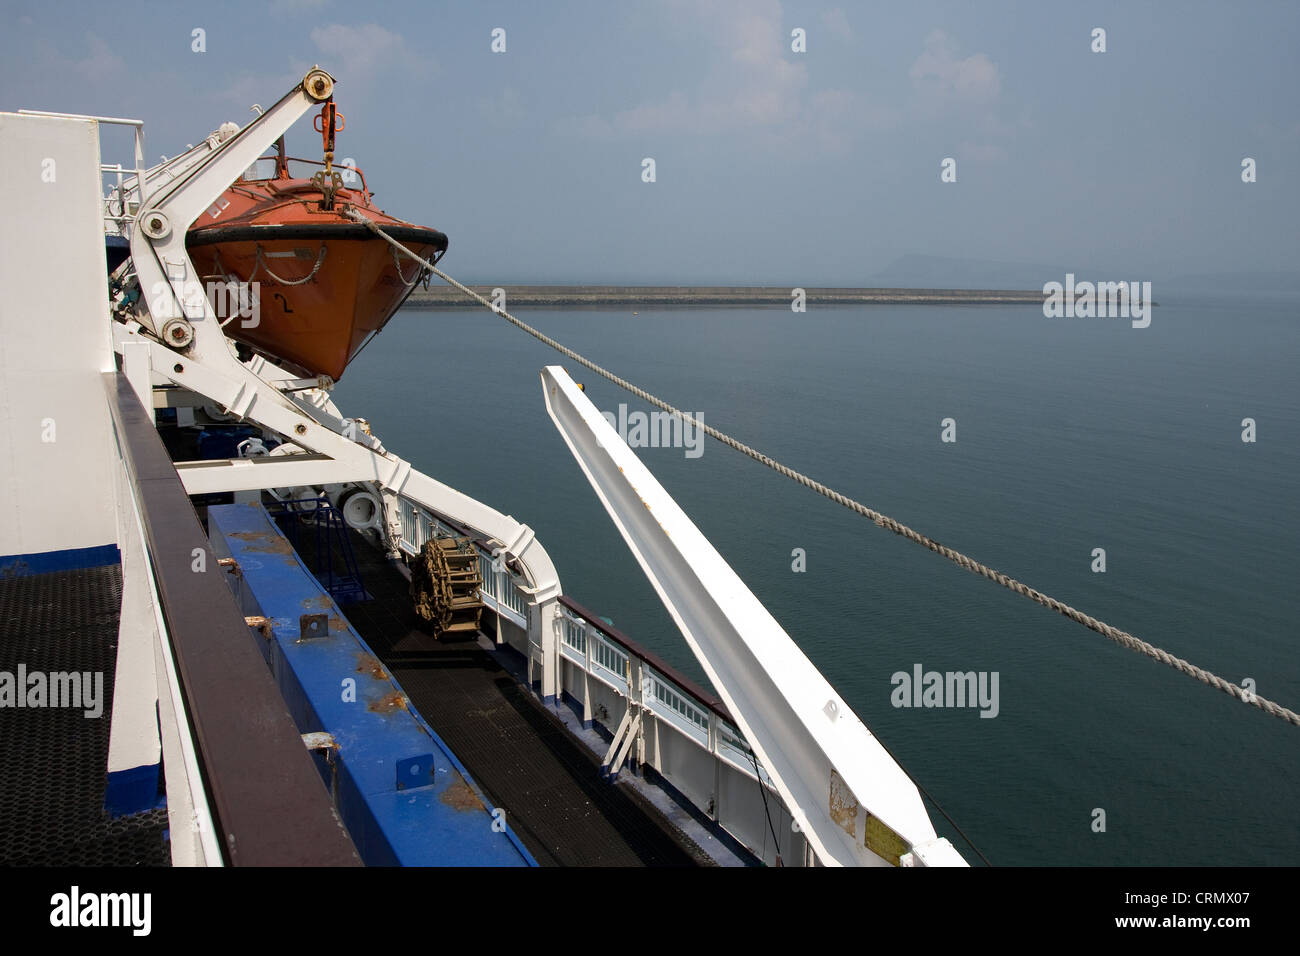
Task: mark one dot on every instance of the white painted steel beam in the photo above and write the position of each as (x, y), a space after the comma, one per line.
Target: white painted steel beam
(234, 387)
(334, 458)
(832, 774)
(253, 474)
(168, 279)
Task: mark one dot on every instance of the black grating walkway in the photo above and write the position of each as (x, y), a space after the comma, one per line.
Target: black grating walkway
(521, 755)
(52, 759)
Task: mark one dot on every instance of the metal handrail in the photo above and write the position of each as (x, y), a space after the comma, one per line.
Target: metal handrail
(312, 162)
(722, 736)
(267, 798)
(725, 740)
(137, 125)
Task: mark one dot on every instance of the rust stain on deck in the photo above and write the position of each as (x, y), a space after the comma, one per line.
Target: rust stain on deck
(261, 543)
(388, 703)
(459, 796)
(368, 664)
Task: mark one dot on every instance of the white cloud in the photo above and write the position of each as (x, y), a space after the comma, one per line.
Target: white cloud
(248, 88)
(972, 79)
(757, 85)
(100, 62)
(837, 24)
(352, 53)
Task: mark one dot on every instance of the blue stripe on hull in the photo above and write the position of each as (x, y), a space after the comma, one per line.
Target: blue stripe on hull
(131, 791)
(72, 559)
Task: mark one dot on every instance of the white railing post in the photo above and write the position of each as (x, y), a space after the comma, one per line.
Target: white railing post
(557, 625)
(542, 620)
(588, 713)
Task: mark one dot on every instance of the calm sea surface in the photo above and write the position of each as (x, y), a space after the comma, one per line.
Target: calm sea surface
(1071, 435)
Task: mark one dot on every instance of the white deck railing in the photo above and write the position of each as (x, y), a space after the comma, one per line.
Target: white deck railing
(685, 735)
(588, 645)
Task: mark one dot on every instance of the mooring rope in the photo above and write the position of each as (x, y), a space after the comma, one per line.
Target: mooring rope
(1123, 638)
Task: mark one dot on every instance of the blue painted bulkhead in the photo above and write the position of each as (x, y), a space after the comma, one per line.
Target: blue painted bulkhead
(69, 559)
(403, 796)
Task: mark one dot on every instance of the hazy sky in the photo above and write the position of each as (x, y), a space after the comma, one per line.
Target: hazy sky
(772, 166)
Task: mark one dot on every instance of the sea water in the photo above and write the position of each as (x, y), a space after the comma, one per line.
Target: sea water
(1066, 438)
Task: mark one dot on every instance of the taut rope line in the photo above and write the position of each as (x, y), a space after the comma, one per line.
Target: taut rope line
(1123, 638)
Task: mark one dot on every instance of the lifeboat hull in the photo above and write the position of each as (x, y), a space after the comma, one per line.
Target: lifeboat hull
(324, 282)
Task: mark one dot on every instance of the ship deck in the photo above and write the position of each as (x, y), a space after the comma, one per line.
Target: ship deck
(519, 753)
(525, 758)
(52, 759)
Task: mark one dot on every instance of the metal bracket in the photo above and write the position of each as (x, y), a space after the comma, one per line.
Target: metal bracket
(628, 731)
(312, 626)
(414, 772)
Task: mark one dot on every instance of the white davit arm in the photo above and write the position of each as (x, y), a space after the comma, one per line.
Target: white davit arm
(167, 278)
(854, 804)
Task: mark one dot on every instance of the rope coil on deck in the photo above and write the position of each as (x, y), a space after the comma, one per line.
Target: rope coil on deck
(1123, 638)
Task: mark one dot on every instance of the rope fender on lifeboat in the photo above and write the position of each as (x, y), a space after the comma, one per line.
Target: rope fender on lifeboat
(260, 263)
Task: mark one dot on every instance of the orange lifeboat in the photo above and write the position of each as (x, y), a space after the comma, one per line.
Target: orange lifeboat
(324, 282)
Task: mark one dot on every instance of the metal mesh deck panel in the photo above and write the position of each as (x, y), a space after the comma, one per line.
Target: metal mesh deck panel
(52, 760)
